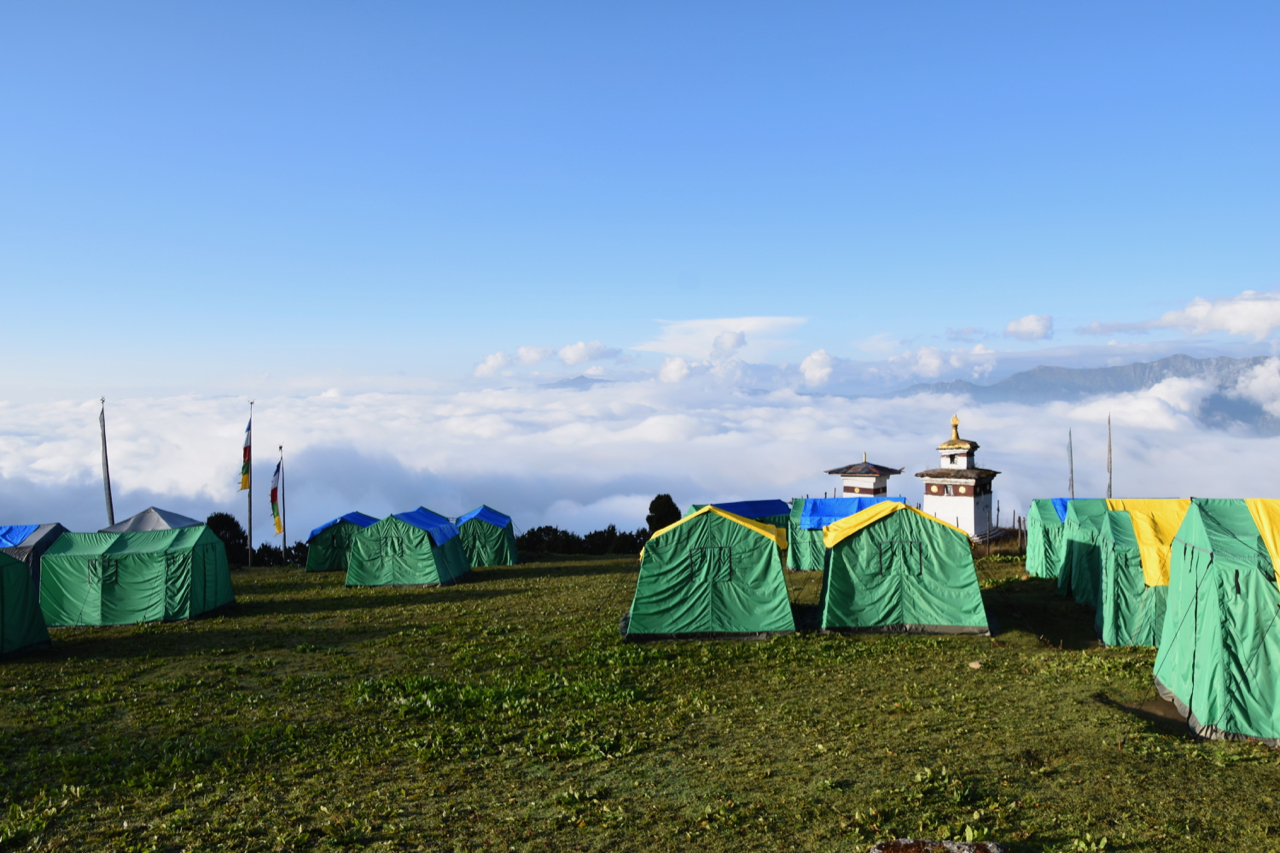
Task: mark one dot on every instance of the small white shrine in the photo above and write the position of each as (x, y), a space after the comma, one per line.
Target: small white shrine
(863, 479)
(959, 492)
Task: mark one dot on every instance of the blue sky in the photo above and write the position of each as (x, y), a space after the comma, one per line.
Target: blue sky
(320, 188)
(233, 200)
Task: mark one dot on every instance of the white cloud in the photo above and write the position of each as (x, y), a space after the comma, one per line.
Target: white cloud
(1261, 385)
(589, 457)
(726, 344)
(1251, 314)
(1033, 327)
(492, 364)
(533, 355)
(696, 339)
(580, 352)
(816, 368)
(673, 369)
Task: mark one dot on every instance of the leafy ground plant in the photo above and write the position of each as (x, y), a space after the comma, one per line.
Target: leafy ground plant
(506, 713)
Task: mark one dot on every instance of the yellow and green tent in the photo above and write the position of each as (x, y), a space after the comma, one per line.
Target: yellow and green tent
(1219, 657)
(805, 552)
(128, 578)
(892, 568)
(711, 574)
(21, 623)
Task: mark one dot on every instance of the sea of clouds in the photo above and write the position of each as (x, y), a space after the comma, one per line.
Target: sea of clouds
(584, 457)
(707, 418)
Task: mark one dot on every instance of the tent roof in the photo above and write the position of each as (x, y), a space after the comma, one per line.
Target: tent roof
(1118, 527)
(15, 534)
(766, 530)
(487, 514)
(1155, 523)
(846, 527)
(131, 542)
(358, 518)
(751, 509)
(152, 518)
(821, 512)
(440, 528)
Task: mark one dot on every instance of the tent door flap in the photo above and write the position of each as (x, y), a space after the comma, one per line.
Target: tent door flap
(904, 555)
(712, 565)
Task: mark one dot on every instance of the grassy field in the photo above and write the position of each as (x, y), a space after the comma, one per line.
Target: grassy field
(506, 714)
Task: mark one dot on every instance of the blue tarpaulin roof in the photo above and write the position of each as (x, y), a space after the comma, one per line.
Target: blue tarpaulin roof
(14, 534)
(353, 517)
(755, 509)
(440, 528)
(820, 512)
(486, 513)
(1060, 507)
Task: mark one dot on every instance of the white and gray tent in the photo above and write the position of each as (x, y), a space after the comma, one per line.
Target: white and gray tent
(27, 543)
(151, 518)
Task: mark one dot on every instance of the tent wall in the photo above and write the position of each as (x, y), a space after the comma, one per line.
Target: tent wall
(1130, 613)
(805, 551)
(329, 550)
(396, 553)
(1219, 656)
(32, 548)
(488, 544)
(1081, 574)
(906, 572)
(128, 578)
(710, 575)
(1046, 540)
(21, 622)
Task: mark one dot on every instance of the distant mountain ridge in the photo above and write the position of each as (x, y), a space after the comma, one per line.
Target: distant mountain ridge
(1069, 384)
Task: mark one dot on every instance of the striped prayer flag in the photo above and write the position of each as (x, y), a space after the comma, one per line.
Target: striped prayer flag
(248, 456)
(275, 500)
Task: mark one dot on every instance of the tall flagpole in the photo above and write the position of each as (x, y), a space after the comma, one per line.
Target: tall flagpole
(284, 518)
(250, 484)
(106, 472)
(1071, 469)
(1108, 456)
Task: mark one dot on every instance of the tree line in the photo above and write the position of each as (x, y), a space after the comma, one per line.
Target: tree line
(540, 542)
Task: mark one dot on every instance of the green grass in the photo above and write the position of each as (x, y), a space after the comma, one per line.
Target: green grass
(506, 714)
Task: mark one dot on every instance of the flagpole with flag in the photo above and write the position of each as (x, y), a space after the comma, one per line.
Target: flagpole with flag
(1108, 456)
(277, 517)
(1071, 469)
(106, 472)
(246, 476)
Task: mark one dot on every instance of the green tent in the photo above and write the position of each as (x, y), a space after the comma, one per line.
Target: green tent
(1130, 612)
(809, 516)
(329, 545)
(21, 623)
(893, 568)
(488, 537)
(1219, 657)
(126, 578)
(1046, 540)
(1081, 574)
(711, 573)
(417, 548)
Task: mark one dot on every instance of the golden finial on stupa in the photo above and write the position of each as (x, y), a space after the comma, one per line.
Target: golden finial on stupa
(955, 427)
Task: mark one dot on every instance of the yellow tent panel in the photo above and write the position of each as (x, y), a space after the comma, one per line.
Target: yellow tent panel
(777, 534)
(1266, 515)
(1155, 523)
(846, 527)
